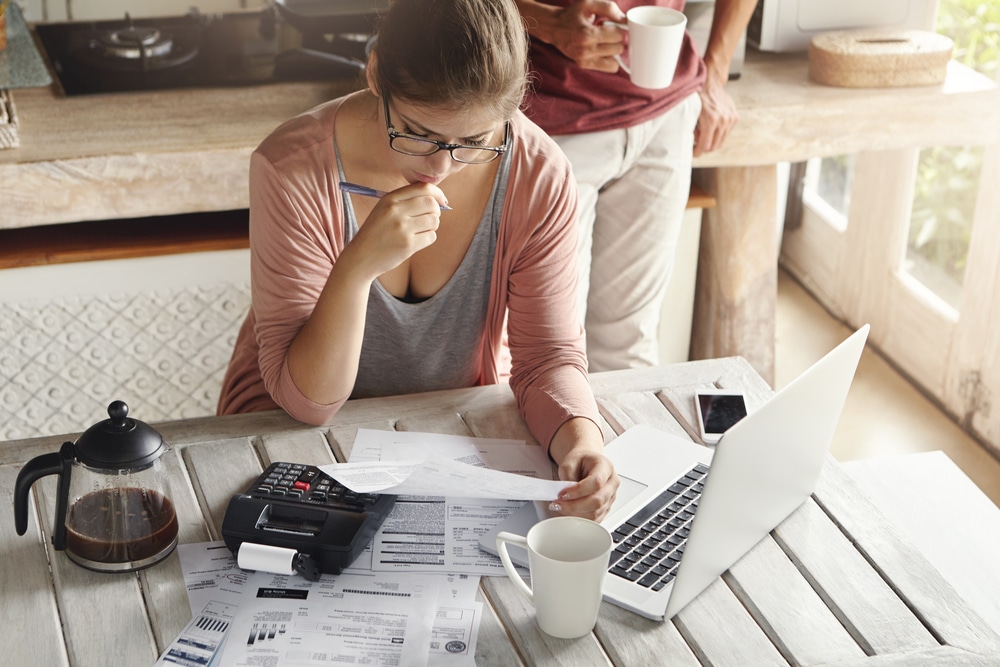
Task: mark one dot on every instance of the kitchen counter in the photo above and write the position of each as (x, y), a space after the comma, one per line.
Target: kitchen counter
(129, 155)
(158, 153)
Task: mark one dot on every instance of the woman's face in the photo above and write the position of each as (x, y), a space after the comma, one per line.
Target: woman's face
(471, 127)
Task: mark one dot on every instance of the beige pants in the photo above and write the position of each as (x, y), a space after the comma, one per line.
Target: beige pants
(633, 188)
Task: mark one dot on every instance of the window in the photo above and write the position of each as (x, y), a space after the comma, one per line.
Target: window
(947, 180)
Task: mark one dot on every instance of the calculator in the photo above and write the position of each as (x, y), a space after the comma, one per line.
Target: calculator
(298, 506)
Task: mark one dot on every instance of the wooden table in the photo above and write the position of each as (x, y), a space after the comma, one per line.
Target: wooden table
(834, 583)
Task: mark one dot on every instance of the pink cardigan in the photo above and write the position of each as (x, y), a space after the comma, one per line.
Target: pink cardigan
(297, 233)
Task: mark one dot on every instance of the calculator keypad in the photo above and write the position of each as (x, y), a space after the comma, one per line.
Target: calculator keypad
(307, 484)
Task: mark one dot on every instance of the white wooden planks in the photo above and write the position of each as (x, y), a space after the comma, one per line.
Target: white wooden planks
(915, 580)
(537, 648)
(95, 602)
(28, 608)
(629, 639)
(218, 470)
(833, 583)
(163, 585)
(863, 602)
(721, 632)
(786, 607)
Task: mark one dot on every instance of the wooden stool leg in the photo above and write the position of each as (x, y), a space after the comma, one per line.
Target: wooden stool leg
(734, 308)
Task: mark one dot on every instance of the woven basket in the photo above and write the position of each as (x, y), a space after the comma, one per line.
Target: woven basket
(879, 58)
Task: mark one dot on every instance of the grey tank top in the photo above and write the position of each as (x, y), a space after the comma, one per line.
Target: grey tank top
(432, 344)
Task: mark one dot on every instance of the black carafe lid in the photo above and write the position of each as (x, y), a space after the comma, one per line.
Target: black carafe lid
(119, 442)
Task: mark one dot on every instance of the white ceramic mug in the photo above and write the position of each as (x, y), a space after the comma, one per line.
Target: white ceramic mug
(655, 35)
(568, 558)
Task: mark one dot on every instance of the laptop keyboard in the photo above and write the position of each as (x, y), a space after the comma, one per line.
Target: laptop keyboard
(651, 542)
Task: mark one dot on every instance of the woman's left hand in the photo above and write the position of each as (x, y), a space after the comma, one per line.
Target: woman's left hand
(578, 448)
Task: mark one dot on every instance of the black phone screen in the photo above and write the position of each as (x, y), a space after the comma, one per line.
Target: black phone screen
(720, 411)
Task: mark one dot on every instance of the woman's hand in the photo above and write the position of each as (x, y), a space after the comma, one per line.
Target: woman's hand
(578, 448)
(323, 357)
(403, 222)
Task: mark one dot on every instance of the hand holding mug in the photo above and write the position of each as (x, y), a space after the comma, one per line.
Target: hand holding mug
(654, 45)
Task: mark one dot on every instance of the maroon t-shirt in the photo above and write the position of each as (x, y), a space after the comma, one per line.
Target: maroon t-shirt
(567, 99)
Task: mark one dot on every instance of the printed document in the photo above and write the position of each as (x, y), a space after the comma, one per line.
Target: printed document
(439, 475)
(434, 533)
(348, 619)
(223, 597)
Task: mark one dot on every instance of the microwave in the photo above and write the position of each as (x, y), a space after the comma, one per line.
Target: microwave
(788, 25)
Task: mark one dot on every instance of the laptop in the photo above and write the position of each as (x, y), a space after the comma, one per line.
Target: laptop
(763, 468)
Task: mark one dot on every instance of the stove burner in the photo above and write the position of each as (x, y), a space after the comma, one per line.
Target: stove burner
(135, 43)
(196, 50)
(136, 49)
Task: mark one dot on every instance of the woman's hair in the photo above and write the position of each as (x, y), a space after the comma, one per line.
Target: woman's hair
(454, 53)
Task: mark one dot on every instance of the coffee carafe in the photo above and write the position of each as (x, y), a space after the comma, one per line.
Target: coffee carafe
(113, 507)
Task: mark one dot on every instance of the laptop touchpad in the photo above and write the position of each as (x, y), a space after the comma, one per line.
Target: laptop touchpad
(627, 490)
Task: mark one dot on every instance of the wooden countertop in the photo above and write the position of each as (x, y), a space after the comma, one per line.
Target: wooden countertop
(141, 154)
(785, 117)
(131, 155)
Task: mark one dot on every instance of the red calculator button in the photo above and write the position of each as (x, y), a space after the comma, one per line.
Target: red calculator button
(301, 485)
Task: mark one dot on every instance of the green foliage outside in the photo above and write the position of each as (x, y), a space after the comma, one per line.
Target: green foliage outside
(948, 178)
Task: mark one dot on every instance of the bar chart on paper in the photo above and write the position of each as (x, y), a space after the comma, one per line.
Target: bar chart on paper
(261, 632)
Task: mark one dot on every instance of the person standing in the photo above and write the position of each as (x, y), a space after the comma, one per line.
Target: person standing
(631, 149)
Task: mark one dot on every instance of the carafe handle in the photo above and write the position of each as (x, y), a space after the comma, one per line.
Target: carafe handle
(56, 463)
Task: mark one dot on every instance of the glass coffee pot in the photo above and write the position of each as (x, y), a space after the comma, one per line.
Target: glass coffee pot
(113, 507)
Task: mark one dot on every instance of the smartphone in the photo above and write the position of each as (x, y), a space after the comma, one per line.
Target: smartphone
(717, 411)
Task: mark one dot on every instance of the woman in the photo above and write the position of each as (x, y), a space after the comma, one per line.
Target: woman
(473, 222)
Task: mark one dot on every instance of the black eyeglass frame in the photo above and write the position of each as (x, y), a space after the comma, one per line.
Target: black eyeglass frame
(440, 145)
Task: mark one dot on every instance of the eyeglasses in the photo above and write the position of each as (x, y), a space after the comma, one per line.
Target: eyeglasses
(419, 146)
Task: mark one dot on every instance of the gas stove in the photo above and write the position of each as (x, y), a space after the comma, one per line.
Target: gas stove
(199, 50)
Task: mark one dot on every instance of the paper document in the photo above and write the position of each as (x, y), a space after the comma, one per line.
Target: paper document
(263, 614)
(440, 476)
(433, 533)
(349, 619)
(215, 586)
(201, 638)
(211, 574)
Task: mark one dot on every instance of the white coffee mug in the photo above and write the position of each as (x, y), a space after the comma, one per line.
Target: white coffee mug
(655, 35)
(567, 559)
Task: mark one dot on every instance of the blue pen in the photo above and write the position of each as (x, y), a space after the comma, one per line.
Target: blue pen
(364, 191)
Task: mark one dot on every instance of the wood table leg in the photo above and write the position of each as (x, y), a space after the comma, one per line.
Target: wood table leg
(736, 291)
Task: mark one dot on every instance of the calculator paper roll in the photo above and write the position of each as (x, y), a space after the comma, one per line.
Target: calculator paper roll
(266, 558)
